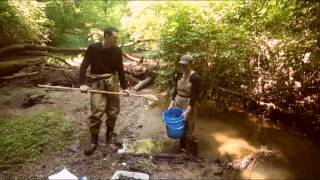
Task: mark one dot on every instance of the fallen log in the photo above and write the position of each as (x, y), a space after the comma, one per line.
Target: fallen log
(177, 158)
(18, 75)
(135, 69)
(41, 53)
(24, 47)
(136, 42)
(13, 66)
(59, 69)
(131, 79)
(141, 70)
(144, 83)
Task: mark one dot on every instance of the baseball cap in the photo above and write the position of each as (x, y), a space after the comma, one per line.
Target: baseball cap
(185, 59)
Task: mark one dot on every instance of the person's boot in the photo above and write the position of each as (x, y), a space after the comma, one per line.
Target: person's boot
(92, 147)
(192, 146)
(109, 134)
(182, 146)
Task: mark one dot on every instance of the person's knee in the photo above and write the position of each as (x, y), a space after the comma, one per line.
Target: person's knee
(112, 111)
(112, 117)
(95, 119)
(97, 113)
(94, 130)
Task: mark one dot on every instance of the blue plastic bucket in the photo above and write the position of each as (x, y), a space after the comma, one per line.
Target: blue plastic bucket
(174, 122)
(173, 116)
(175, 133)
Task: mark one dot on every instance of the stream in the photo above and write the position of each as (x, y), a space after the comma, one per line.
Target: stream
(234, 135)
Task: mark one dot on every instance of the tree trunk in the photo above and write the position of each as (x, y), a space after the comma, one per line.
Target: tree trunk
(24, 47)
(21, 47)
(12, 66)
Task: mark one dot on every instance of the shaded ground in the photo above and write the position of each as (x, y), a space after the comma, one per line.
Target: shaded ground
(134, 123)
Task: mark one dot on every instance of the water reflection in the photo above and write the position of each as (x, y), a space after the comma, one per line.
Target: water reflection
(236, 147)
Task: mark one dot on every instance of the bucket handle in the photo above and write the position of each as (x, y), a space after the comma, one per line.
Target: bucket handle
(175, 128)
(163, 117)
(169, 126)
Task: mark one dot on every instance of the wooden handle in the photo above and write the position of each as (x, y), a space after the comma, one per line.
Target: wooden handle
(58, 87)
(90, 90)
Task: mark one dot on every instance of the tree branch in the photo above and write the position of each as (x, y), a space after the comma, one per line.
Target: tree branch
(40, 53)
(136, 42)
(24, 47)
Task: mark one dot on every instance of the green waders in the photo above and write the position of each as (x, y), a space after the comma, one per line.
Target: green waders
(100, 104)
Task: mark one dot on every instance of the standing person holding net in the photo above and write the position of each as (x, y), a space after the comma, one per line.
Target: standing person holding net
(105, 60)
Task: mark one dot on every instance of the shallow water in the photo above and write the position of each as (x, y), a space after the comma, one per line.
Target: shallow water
(236, 135)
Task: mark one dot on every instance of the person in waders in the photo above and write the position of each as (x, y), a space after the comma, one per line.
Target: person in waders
(105, 60)
(184, 96)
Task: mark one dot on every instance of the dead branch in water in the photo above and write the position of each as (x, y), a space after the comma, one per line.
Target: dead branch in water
(250, 160)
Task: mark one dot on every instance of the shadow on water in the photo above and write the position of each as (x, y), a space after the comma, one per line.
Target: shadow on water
(234, 135)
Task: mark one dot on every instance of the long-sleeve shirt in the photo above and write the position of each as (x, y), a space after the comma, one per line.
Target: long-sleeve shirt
(103, 60)
(195, 87)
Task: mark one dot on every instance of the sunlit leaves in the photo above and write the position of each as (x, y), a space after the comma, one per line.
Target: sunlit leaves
(23, 22)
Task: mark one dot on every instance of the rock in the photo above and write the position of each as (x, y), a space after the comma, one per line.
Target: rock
(34, 99)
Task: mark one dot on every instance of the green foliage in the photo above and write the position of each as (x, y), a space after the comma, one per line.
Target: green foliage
(23, 138)
(23, 22)
(266, 50)
(219, 48)
(76, 23)
(143, 21)
(67, 23)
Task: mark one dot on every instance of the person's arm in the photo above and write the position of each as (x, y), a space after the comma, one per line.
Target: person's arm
(121, 75)
(84, 66)
(195, 90)
(175, 91)
(131, 58)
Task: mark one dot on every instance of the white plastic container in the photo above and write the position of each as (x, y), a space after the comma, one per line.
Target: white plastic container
(63, 175)
(135, 175)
